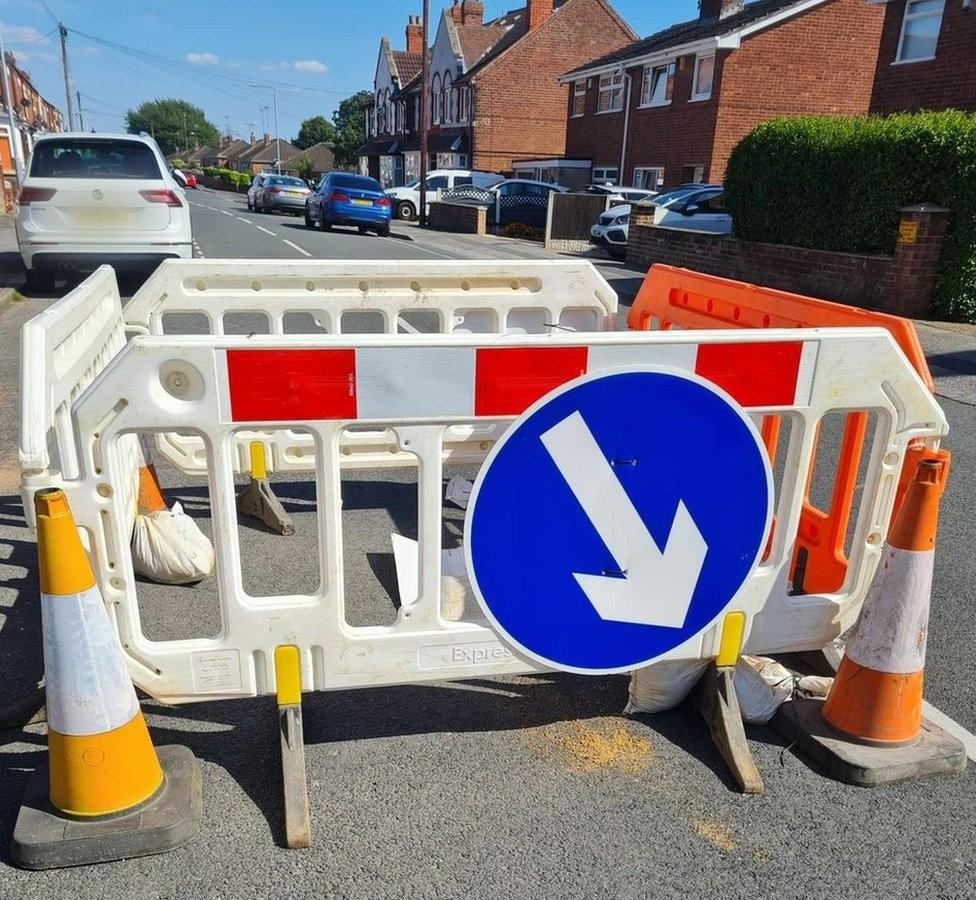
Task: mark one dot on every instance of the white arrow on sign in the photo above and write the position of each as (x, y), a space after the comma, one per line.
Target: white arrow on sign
(655, 588)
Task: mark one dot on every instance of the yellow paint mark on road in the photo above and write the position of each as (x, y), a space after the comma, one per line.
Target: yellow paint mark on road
(717, 834)
(591, 746)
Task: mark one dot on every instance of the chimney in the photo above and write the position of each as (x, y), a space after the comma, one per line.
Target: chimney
(267, 140)
(472, 12)
(457, 12)
(415, 35)
(538, 11)
(712, 10)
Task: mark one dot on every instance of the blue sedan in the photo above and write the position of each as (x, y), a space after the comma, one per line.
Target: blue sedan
(342, 198)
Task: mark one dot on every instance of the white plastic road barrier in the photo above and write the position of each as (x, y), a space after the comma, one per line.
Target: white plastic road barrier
(379, 296)
(417, 387)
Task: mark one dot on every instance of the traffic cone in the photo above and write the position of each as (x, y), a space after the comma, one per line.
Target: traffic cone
(101, 762)
(258, 501)
(870, 730)
(877, 694)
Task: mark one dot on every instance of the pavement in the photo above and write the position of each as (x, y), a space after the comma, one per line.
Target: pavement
(516, 787)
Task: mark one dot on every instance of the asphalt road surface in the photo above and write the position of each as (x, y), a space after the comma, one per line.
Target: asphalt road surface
(522, 787)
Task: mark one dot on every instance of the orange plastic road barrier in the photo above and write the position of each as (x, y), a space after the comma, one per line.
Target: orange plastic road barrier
(680, 298)
(877, 694)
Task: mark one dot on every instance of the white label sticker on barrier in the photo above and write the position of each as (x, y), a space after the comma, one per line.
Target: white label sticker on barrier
(417, 386)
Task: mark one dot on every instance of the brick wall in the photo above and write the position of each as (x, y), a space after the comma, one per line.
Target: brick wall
(900, 284)
(948, 81)
(519, 104)
(458, 217)
(822, 61)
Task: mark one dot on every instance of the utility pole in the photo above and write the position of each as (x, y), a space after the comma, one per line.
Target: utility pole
(424, 115)
(81, 113)
(16, 148)
(186, 137)
(274, 92)
(63, 32)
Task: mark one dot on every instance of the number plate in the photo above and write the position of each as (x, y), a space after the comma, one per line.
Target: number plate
(102, 216)
(293, 193)
(362, 202)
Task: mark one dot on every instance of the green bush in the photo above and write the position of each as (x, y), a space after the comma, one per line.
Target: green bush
(835, 183)
(177, 163)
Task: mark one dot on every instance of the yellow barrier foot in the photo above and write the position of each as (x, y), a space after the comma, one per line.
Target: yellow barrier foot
(258, 501)
(298, 821)
(45, 838)
(716, 700)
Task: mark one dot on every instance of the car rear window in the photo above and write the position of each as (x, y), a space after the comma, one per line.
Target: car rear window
(78, 158)
(356, 182)
(287, 182)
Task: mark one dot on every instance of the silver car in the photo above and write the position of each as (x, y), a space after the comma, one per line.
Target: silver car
(281, 193)
(254, 189)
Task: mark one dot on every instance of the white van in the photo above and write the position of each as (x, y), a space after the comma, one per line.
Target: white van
(406, 199)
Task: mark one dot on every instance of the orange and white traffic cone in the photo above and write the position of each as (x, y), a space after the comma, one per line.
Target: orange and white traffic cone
(870, 729)
(101, 762)
(877, 694)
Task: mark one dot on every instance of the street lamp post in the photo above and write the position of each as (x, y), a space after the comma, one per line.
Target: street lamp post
(274, 94)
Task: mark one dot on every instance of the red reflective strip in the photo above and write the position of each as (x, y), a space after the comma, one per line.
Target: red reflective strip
(754, 374)
(508, 381)
(290, 385)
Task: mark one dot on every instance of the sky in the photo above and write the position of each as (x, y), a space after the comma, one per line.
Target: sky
(316, 52)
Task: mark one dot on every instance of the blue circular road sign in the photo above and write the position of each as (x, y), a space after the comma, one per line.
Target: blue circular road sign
(617, 518)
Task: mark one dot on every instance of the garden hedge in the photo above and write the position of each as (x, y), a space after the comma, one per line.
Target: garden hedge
(838, 183)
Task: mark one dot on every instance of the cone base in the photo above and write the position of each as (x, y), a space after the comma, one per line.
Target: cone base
(45, 839)
(934, 753)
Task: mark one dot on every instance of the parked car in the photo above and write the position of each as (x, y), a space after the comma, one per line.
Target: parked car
(696, 211)
(612, 230)
(513, 200)
(406, 199)
(255, 189)
(281, 193)
(191, 180)
(345, 199)
(91, 198)
(623, 194)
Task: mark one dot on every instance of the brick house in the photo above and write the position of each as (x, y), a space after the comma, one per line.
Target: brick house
(669, 109)
(928, 56)
(494, 88)
(32, 115)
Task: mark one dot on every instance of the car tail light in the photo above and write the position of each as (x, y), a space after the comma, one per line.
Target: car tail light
(161, 195)
(383, 201)
(337, 197)
(29, 195)
(274, 190)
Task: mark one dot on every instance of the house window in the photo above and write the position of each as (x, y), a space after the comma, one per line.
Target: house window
(606, 175)
(579, 97)
(611, 93)
(920, 30)
(704, 73)
(692, 174)
(650, 178)
(657, 85)
(450, 100)
(435, 100)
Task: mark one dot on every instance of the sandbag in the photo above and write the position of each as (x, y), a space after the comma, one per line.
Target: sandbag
(168, 547)
(663, 685)
(762, 685)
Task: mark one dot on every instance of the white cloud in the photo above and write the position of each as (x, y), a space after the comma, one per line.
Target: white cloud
(23, 34)
(310, 65)
(202, 59)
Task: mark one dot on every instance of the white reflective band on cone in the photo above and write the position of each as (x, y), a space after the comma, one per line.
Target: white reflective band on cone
(88, 688)
(893, 640)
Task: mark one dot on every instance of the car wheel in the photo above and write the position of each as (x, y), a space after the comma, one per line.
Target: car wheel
(363, 229)
(40, 281)
(250, 206)
(406, 211)
(325, 226)
(383, 231)
(308, 220)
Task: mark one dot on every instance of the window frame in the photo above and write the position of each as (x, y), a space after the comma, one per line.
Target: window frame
(658, 182)
(646, 100)
(614, 180)
(696, 95)
(435, 90)
(610, 90)
(578, 109)
(907, 17)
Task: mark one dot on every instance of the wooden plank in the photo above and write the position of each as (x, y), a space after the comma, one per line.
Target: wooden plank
(298, 821)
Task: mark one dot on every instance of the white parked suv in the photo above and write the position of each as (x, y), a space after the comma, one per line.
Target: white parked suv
(90, 199)
(406, 199)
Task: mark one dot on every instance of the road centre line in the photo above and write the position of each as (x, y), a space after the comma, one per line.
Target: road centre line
(301, 250)
(245, 221)
(226, 212)
(265, 230)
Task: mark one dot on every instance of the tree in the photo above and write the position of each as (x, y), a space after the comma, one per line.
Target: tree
(316, 130)
(302, 167)
(176, 124)
(350, 129)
